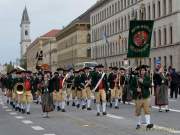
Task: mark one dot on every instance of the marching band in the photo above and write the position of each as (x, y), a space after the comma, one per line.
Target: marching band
(81, 87)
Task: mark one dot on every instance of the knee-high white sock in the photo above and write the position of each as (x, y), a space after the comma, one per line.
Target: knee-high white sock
(104, 106)
(148, 119)
(59, 104)
(83, 102)
(89, 103)
(98, 108)
(116, 102)
(22, 106)
(63, 104)
(28, 107)
(139, 120)
(167, 107)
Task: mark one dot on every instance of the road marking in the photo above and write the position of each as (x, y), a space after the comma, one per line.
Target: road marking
(85, 125)
(49, 134)
(13, 113)
(8, 110)
(172, 100)
(37, 128)
(114, 116)
(27, 122)
(5, 107)
(19, 117)
(169, 130)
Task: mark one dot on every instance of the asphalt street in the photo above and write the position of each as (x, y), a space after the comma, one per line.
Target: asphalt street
(81, 122)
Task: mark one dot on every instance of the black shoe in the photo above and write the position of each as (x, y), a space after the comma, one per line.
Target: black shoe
(28, 113)
(149, 126)
(116, 107)
(22, 111)
(104, 113)
(138, 127)
(110, 105)
(67, 103)
(63, 110)
(58, 108)
(167, 110)
(83, 107)
(16, 108)
(89, 109)
(78, 105)
(19, 109)
(98, 114)
(73, 104)
(11, 103)
(94, 101)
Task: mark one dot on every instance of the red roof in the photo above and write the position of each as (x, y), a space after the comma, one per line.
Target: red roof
(51, 33)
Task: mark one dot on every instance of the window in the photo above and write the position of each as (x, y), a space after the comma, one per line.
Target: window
(121, 4)
(149, 61)
(154, 38)
(170, 6)
(159, 9)
(149, 12)
(159, 37)
(165, 62)
(124, 3)
(26, 33)
(154, 61)
(154, 11)
(171, 35)
(164, 7)
(171, 60)
(165, 36)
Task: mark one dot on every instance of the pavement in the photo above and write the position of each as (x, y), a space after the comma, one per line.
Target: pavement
(81, 122)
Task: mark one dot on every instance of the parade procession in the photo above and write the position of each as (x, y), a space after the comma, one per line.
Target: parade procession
(113, 70)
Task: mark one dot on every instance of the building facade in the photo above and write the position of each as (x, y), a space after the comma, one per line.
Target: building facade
(46, 44)
(25, 33)
(74, 42)
(49, 48)
(111, 18)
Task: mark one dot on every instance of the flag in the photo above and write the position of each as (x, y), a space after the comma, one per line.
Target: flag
(139, 44)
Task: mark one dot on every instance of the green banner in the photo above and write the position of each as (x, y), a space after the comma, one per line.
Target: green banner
(140, 39)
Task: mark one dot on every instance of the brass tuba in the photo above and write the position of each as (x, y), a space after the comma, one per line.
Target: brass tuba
(19, 88)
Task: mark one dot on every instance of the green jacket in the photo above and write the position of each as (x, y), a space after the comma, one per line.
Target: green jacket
(145, 93)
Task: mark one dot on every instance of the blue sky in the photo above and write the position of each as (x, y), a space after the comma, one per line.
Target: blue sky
(44, 16)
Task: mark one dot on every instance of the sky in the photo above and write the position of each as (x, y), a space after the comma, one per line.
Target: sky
(44, 16)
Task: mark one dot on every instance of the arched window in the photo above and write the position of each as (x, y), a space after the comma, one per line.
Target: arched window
(26, 32)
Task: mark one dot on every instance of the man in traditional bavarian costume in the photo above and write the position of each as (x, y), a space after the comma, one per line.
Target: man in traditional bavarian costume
(140, 86)
(8, 81)
(28, 93)
(100, 87)
(78, 88)
(20, 92)
(56, 95)
(68, 80)
(86, 92)
(114, 86)
(83, 78)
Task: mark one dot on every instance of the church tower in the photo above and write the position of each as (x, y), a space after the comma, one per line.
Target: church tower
(25, 33)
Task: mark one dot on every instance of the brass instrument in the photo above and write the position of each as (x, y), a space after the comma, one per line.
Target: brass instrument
(19, 88)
